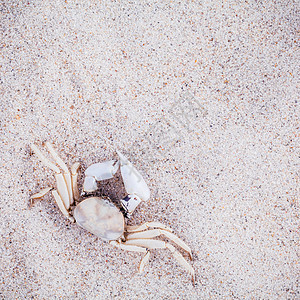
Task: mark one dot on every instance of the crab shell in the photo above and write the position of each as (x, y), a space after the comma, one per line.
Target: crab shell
(100, 217)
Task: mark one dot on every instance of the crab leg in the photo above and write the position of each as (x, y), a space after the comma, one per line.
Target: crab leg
(43, 159)
(61, 184)
(128, 247)
(156, 244)
(144, 261)
(134, 248)
(181, 260)
(147, 225)
(61, 205)
(63, 189)
(41, 193)
(147, 243)
(66, 175)
(74, 172)
(157, 232)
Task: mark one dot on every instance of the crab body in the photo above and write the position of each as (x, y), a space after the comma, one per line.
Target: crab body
(100, 216)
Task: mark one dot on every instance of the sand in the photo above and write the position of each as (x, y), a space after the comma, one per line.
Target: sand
(200, 96)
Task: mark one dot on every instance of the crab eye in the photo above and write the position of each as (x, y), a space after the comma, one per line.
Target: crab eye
(129, 204)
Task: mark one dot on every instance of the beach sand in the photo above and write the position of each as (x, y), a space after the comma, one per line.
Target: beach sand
(201, 98)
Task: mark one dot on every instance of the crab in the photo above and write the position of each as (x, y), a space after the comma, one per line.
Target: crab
(100, 216)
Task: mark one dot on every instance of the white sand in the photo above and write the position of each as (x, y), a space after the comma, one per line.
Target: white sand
(200, 97)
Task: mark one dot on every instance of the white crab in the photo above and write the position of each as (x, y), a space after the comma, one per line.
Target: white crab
(100, 216)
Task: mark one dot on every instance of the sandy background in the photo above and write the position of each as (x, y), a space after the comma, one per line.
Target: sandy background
(201, 97)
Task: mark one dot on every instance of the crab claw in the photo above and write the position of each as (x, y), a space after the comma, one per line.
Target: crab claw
(135, 185)
(97, 172)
